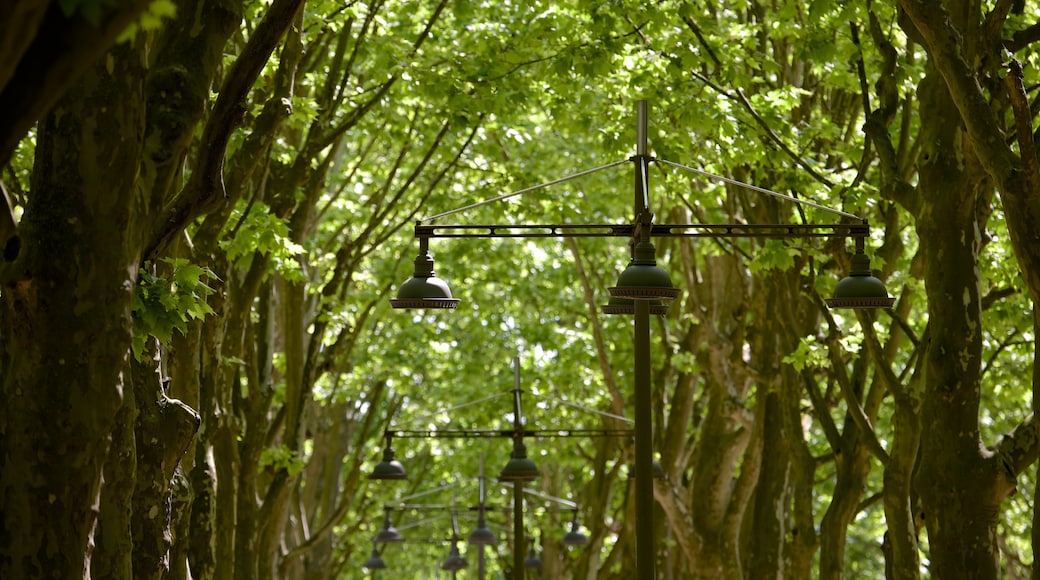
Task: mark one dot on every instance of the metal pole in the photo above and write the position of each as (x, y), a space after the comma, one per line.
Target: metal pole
(518, 486)
(481, 568)
(642, 391)
(640, 202)
(518, 530)
(644, 445)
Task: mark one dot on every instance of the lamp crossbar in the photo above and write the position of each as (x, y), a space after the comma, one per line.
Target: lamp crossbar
(486, 433)
(861, 230)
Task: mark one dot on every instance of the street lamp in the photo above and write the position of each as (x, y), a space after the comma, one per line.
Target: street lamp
(374, 561)
(519, 470)
(389, 533)
(574, 537)
(389, 468)
(643, 287)
(454, 562)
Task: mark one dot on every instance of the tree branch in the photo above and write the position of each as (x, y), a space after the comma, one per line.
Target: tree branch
(944, 43)
(1020, 447)
(205, 191)
(61, 49)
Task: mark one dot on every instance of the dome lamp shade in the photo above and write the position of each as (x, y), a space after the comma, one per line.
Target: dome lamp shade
(643, 279)
(481, 535)
(454, 562)
(574, 537)
(860, 289)
(533, 562)
(519, 468)
(389, 468)
(374, 561)
(424, 290)
(389, 534)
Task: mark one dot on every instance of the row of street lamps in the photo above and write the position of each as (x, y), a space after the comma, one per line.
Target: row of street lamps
(520, 469)
(642, 289)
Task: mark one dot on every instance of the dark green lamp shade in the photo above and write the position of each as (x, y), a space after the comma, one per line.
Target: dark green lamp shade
(860, 289)
(424, 290)
(389, 468)
(454, 562)
(481, 535)
(533, 562)
(643, 279)
(574, 537)
(375, 561)
(519, 468)
(389, 534)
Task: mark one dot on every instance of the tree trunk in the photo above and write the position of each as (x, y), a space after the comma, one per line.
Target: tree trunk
(164, 430)
(66, 324)
(959, 485)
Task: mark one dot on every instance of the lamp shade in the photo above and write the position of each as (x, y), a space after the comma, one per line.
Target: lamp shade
(533, 562)
(860, 289)
(374, 561)
(643, 279)
(389, 468)
(481, 535)
(454, 561)
(424, 290)
(519, 468)
(389, 533)
(574, 537)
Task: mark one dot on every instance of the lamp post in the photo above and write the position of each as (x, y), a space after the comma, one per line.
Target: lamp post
(481, 535)
(519, 470)
(643, 286)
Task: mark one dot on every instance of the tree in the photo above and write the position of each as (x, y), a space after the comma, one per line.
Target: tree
(215, 214)
(103, 198)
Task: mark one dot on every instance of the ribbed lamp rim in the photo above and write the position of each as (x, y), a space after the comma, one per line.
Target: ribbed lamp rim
(644, 292)
(425, 303)
(657, 309)
(861, 302)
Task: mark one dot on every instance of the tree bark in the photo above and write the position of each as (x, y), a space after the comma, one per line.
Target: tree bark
(960, 512)
(66, 323)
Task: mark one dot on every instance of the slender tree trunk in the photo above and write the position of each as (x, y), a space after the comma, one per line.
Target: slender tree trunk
(113, 548)
(768, 518)
(164, 430)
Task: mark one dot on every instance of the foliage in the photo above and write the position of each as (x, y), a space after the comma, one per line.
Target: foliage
(373, 115)
(167, 303)
(151, 19)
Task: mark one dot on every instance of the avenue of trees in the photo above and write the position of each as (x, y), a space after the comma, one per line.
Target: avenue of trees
(207, 205)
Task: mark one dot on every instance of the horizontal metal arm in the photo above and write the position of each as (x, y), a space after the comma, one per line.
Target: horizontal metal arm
(487, 433)
(860, 230)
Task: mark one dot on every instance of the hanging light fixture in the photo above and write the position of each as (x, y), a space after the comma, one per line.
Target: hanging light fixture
(481, 535)
(424, 290)
(860, 289)
(575, 537)
(389, 533)
(389, 468)
(520, 467)
(533, 561)
(643, 279)
(454, 562)
(374, 561)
